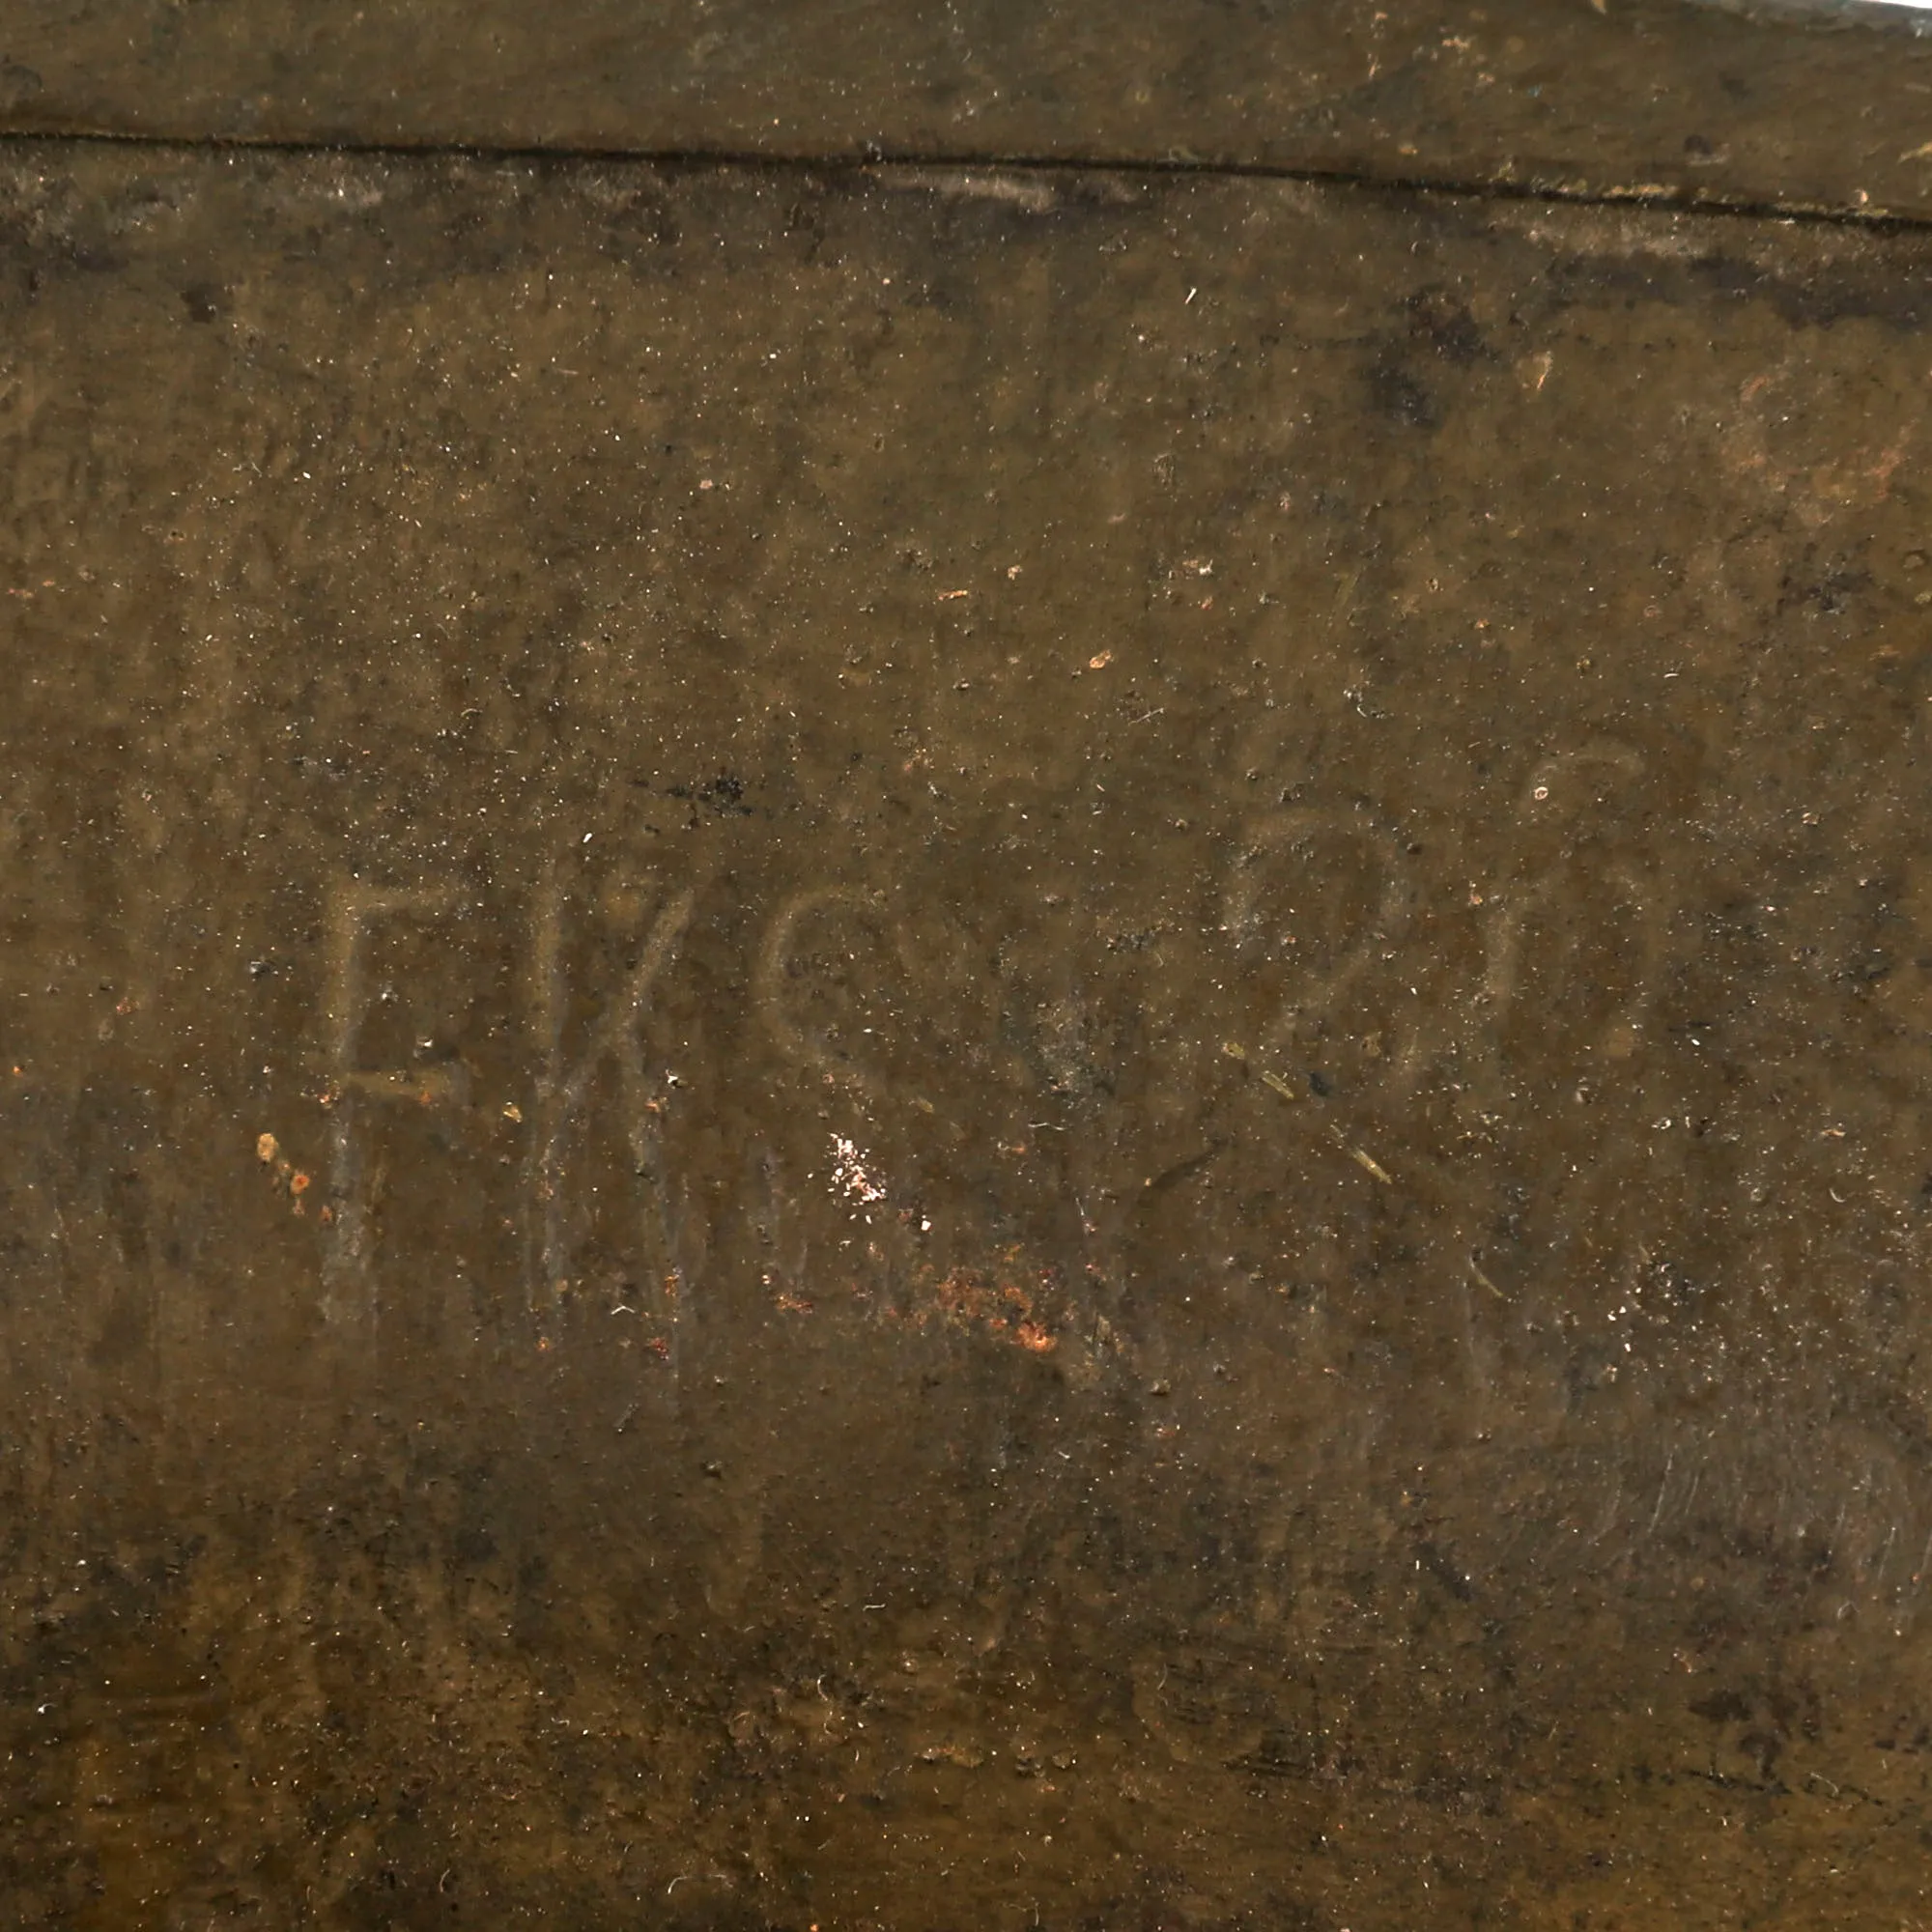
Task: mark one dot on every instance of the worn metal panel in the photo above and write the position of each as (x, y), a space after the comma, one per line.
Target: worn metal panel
(956, 1048)
(1657, 97)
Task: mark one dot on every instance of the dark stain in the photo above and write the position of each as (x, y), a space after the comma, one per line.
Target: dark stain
(205, 302)
(1441, 322)
(1825, 593)
(1721, 1706)
(1397, 396)
(1868, 287)
(720, 797)
(1438, 1565)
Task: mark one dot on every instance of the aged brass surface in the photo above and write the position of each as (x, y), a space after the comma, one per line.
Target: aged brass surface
(1647, 98)
(957, 1048)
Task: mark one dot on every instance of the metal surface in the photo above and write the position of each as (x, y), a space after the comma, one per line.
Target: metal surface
(924, 1048)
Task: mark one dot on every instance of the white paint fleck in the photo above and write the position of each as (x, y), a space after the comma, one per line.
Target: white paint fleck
(850, 1176)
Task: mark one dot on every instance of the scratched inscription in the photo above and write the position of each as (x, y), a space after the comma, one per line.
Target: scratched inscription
(1390, 1038)
(1156, 836)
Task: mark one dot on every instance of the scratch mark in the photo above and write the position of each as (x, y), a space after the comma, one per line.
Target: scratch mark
(1662, 1487)
(349, 1289)
(563, 1095)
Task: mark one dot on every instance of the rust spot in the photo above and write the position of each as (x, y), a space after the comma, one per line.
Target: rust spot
(1004, 1309)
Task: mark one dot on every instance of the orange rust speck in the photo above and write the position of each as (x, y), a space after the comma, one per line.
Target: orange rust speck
(1006, 1309)
(298, 1183)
